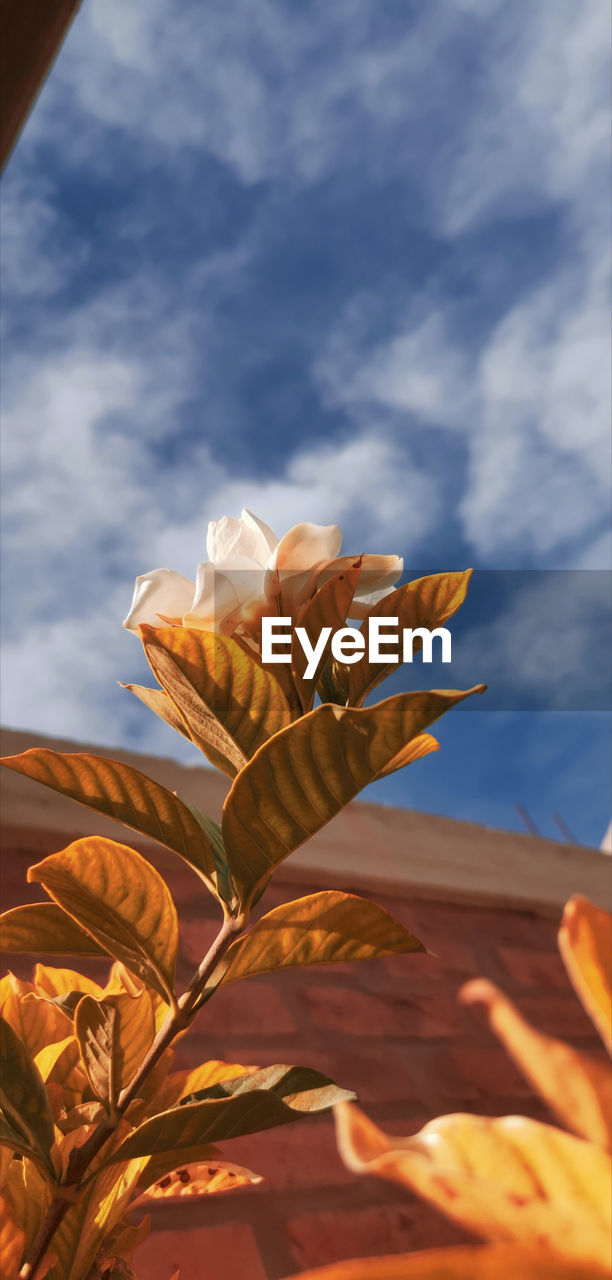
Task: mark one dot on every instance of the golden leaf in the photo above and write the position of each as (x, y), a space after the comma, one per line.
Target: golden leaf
(237, 695)
(53, 982)
(88, 1222)
(121, 900)
(318, 929)
(114, 1035)
(180, 1083)
(29, 1197)
(505, 1179)
(307, 773)
(61, 1069)
(201, 1179)
(426, 602)
(585, 942)
(44, 927)
(422, 745)
(24, 1101)
(12, 1241)
(577, 1087)
(260, 1100)
(36, 1021)
(123, 793)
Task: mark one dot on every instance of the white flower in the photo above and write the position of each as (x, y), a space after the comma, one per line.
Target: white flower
(249, 573)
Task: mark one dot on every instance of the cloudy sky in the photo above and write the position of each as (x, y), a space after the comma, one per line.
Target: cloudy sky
(343, 262)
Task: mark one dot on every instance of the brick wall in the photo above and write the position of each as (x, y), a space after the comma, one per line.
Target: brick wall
(390, 1029)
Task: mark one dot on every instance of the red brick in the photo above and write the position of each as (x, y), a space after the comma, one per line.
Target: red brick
(453, 963)
(481, 1070)
(556, 1015)
(351, 1012)
(247, 1008)
(373, 1230)
(534, 968)
(219, 1253)
(303, 1154)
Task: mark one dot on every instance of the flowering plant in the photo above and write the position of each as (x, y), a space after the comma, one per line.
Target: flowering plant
(93, 1117)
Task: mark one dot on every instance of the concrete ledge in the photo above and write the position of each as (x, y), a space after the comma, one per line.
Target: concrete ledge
(367, 845)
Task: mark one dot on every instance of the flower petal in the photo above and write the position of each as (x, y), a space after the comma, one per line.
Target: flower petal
(160, 592)
(265, 540)
(214, 600)
(247, 542)
(306, 546)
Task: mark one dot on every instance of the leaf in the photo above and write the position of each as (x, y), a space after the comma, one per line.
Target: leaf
(12, 1241)
(33, 1018)
(585, 942)
(426, 602)
(321, 928)
(44, 927)
(123, 793)
(53, 982)
(577, 1087)
(26, 1198)
(62, 1071)
(114, 1035)
(466, 1262)
(159, 702)
(329, 607)
(309, 771)
(23, 1097)
(180, 1083)
(214, 835)
(422, 745)
(88, 1222)
(302, 1088)
(244, 698)
(504, 1179)
(197, 1179)
(121, 900)
(248, 1110)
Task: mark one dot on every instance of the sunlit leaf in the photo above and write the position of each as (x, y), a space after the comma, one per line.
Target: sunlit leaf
(422, 745)
(91, 1219)
(179, 1084)
(467, 1262)
(577, 1087)
(243, 699)
(123, 793)
(53, 982)
(6, 1155)
(29, 1196)
(318, 929)
(23, 1097)
(329, 607)
(202, 1179)
(12, 1240)
(44, 928)
(504, 1179)
(239, 1107)
(585, 942)
(36, 1021)
(309, 771)
(426, 602)
(114, 1035)
(62, 1071)
(121, 900)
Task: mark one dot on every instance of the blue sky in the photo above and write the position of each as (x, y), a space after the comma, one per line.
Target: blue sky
(337, 262)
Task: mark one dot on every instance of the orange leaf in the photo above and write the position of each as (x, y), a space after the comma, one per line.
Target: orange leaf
(201, 1179)
(585, 942)
(507, 1179)
(578, 1088)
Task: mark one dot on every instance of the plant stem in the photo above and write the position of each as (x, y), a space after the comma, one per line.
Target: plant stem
(177, 1020)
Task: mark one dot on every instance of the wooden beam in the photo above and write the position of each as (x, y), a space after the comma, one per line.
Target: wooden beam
(31, 33)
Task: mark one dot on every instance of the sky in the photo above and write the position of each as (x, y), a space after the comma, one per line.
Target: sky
(346, 263)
